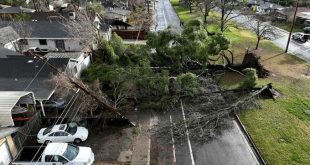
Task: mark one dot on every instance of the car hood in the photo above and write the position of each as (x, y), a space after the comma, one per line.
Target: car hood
(85, 155)
(81, 132)
(40, 134)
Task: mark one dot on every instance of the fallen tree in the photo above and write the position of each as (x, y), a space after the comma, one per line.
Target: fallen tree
(207, 120)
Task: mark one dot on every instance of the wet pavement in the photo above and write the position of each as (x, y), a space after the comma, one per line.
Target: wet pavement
(231, 147)
(165, 17)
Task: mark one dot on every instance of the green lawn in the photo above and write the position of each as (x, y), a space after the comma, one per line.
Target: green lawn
(281, 129)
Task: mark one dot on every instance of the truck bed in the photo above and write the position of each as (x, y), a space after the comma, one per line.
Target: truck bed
(31, 153)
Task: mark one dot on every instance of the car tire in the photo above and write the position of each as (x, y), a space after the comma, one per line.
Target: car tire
(46, 142)
(77, 141)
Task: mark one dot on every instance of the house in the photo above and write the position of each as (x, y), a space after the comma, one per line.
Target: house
(116, 24)
(22, 73)
(8, 13)
(287, 14)
(78, 61)
(263, 7)
(303, 18)
(117, 14)
(46, 35)
(12, 103)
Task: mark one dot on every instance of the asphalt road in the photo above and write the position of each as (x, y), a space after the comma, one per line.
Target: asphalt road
(165, 17)
(302, 50)
(230, 148)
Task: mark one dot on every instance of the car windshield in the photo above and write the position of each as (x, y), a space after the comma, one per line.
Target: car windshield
(47, 130)
(71, 129)
(71, 152)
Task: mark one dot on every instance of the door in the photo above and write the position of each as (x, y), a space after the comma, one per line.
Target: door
(5, 157)
(61, 137)
(60, 45)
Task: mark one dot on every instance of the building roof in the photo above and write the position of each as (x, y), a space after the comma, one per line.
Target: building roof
(71, 55)
(42, 29)
(7, 34)
(7, 53)
(119, 11)
(269, 5)
(49, 16)
(6, 131)
(8, 99)
(19, 72)
(15, 10)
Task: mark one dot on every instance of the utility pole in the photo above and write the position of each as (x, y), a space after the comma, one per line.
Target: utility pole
(292, 27)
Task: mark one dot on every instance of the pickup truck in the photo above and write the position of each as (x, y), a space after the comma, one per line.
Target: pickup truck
(55, 154)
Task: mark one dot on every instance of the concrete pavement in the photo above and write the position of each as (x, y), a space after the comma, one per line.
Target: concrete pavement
(165, 17)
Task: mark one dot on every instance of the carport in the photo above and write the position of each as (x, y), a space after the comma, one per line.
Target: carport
(9, 100)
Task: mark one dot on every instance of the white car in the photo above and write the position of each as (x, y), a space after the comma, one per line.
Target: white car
(55, 154)
(63, 133)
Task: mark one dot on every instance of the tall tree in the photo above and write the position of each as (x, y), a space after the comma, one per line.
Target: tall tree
(227, 11)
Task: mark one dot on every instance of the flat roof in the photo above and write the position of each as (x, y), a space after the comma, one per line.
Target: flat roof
(8, 99)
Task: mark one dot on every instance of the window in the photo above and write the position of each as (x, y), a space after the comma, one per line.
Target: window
(71, 152)
(61, 134)
(47, 130)
(43, 42)
(55, 158)
(23, 41)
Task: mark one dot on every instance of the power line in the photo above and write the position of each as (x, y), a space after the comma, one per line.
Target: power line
(55, 123)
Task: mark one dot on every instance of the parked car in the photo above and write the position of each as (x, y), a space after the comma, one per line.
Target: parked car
(63, 133)
(307, 30)
(55, 154)
(302, 37)
(54, 103)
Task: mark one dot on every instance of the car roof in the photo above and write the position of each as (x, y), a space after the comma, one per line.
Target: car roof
(59, 127)
(55, 148)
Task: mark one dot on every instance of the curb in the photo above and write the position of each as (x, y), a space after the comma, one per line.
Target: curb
(252, 143)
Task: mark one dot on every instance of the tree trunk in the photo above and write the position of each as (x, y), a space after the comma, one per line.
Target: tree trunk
(257, 43)
(222, 19)
(206, 11)
(190, 7)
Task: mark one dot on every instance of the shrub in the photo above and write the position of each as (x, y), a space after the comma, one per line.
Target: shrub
(250, 79)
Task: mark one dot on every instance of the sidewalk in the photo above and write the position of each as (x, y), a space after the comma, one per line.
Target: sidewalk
(142, 142)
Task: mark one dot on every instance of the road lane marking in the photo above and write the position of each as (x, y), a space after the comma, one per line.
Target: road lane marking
(172, 138)
(187, 134)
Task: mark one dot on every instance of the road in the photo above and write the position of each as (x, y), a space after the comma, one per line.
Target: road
(301, 50)
(229, 148)
(165, 17)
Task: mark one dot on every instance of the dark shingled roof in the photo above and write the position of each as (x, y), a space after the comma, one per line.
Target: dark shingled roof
(15, 10)
(11, 10)
(42, 29)
(17, 71)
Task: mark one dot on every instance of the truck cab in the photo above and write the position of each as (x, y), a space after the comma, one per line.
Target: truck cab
(55, 154)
